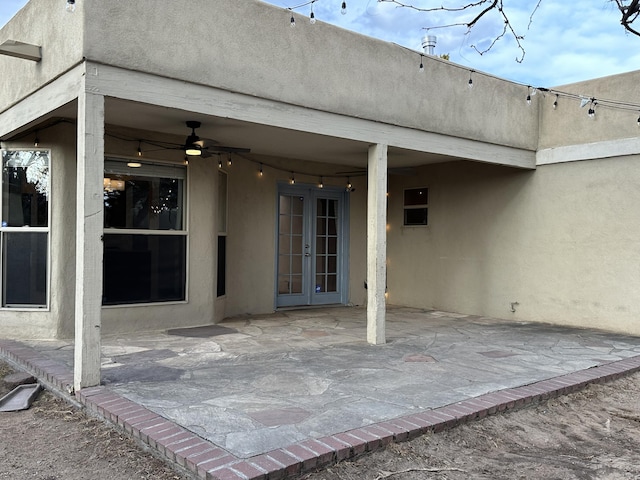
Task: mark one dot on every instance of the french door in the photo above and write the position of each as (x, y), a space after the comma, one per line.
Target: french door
(312, 249)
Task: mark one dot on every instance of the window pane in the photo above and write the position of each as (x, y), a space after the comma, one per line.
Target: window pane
(25, 268)
(222, 202)
(143, 202)
(222, 265)
(25, 188)
(416, 196)
(415, 216)
(144, 268)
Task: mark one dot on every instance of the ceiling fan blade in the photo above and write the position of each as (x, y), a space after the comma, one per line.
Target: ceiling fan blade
(223, 149)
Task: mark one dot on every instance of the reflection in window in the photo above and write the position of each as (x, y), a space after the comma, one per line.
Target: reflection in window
(148, 265)
(24, 229)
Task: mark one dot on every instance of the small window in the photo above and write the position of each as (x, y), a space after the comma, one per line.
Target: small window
(416, 206)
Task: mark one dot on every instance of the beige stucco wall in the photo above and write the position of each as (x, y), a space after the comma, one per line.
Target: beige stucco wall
(252, 222)
(40, 323)
(59, 33)
(247, 46)
(563, 242)
(569, 124)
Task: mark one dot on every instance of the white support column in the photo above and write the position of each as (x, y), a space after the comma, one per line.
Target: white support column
(376, 244)
(89, 249)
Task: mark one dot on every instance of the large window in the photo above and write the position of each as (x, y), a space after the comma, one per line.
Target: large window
(24, 232)
(145, 236)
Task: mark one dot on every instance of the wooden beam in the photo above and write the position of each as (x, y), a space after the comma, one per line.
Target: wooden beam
(377, 244)
(170, 93)
(25, 51)
(589, 151)
(54, 95)
(89, 248)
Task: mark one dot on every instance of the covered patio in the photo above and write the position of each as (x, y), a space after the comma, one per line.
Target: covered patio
(256, 384)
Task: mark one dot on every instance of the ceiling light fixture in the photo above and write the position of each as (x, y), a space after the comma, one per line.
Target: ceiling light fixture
(191, 147)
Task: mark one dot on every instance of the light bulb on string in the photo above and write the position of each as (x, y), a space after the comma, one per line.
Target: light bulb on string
(343, 10)
(321, 184)
(260, 172)
(555, 103)
(292, 180)
(292, 22)
(592, 108)
(36, 141)
(70, 6)
(219, 162)
(470, 79)
(349, 186)
(639, 121)
(229, 160)
(529, 95)
(312, 16)
(421, 68)
(139, 148)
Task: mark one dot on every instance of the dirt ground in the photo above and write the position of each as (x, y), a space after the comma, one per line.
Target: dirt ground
(54, 441)
(592, 434)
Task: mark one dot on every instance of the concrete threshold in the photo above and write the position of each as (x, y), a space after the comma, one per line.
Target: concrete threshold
(207, 461)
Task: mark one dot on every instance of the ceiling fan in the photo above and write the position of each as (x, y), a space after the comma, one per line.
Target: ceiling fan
(195, 146)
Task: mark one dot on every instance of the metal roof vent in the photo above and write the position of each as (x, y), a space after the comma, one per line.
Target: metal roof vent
(429, 44)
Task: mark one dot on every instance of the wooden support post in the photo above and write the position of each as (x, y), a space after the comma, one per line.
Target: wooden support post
(376, 244)
(89, 229)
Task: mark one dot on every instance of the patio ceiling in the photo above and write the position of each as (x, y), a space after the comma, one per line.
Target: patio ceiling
(263, 140)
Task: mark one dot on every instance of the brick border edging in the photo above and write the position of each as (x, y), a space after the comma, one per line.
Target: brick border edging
(209, 462)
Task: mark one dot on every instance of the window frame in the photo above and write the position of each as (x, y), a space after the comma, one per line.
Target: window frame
(24, 229)
(421, 206)
(184, 231)
(223, 211)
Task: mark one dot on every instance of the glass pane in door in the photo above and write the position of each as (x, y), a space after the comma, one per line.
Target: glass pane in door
(326, 245)
(290, 244)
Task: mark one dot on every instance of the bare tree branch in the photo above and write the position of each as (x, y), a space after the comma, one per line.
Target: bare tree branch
(629, 9)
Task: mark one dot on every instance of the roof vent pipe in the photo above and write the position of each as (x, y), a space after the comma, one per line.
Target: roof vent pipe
(429, 44)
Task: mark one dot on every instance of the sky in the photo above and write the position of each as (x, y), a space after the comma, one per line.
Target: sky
(565, 43)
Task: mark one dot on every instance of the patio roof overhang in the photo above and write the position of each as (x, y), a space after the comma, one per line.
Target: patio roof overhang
(268, 127)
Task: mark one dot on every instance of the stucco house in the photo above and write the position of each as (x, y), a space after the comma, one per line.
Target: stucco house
(326, 170)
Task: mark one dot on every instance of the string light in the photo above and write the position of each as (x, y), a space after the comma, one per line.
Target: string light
(343, 10)
(470, 79)
(260, 172)
(293, 178)
(592, 108)
(312, 16)
(421, 69)
(292, 21)
(555, 102)
(229, 160)
(71, 6)
(529, 94)
(36, 141)
(321, 184)
(349, 186)
(639, 121)
(219, 162)
(140, 148)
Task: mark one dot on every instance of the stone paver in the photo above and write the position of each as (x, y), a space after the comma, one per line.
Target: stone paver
(272, 396)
